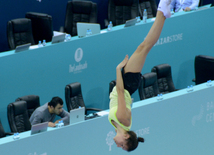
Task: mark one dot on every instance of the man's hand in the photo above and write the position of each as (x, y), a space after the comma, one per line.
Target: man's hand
(187, 9)
(123, 63)
(51, 124)
(57, 121)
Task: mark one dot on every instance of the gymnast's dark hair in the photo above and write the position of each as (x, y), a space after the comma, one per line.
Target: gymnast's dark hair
(54, 101)
(133, 140)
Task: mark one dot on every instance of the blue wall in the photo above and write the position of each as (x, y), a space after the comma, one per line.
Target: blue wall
(46, 71)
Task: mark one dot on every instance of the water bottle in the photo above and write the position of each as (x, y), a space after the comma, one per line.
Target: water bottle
(40, 44)
(190, 88)
(172, 12)
(87, 33)
(209, 83)
(138, 19)
(110, 25)
(144, 16)
(67, 37)
(61, 124)
(160, 97)
(44, 43)
(16, 136)
(90, 32)
(109, 28)
(58, 124)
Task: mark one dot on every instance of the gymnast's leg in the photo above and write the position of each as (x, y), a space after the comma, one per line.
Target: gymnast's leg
(136, 61)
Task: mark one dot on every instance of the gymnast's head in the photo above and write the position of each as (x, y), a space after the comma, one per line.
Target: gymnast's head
(128, 140)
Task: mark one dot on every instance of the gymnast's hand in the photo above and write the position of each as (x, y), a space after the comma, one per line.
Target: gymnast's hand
(123, 63)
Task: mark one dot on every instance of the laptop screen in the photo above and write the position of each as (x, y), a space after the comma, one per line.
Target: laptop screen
(130, 22)
(58, 38)
(23, 47)
(38, 128)
(77, 115)
(83, 27)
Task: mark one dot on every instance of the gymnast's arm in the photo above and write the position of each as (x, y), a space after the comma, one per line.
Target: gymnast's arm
(121, 111)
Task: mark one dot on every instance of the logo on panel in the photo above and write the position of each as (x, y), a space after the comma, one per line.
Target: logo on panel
(199, 116)
(169, 39)
(205, 113)
(109, 139)
(78, 66)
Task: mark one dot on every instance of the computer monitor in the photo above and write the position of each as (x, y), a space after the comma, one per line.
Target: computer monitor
(77, 115)
(38, 128)
(83, 27)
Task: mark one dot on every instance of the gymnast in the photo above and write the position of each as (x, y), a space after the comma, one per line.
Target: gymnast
(128, 76)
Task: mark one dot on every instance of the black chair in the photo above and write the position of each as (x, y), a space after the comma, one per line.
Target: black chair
(79, 11)
(32, 101)
(41, 26)
(111, 85)
(74, 98)
(119, 11)
(164, 75)
(2, 132)
(150, 6)
(17, 115)
(204, 69)
(211, 4)
(201, 3)
(19, 32)
(148, 86)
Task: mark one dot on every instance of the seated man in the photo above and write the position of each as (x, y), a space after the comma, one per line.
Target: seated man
(48, 112)
(184, 5)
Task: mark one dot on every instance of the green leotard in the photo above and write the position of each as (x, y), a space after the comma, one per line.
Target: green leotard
(113, 105)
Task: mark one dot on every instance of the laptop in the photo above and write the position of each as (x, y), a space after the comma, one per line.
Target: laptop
(38, 128)
(58, 38)
(77, 115)
(83, 27)
(23, 47)
(130, 22)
